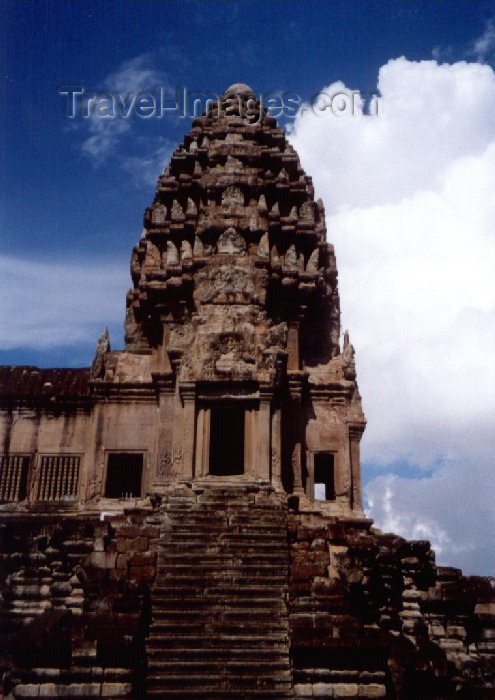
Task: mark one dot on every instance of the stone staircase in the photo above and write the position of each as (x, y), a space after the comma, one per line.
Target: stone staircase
(219, 626)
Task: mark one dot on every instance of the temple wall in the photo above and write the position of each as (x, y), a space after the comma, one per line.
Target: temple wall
(73, 605)
(328, 431)
(28, 431)
(172, 433)
(88, 436)
(127, 428)
(371, 615)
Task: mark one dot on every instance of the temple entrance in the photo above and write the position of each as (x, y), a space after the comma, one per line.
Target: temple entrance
(324, 476)
(124, 475)
(227, 440)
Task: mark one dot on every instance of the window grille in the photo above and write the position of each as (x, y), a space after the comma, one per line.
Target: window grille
(58, 478)
(13, 477)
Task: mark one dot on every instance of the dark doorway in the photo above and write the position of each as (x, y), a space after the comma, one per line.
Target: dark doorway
(227, 440)
(324, 477)
(124, 474)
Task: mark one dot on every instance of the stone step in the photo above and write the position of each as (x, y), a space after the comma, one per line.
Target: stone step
(246, 527)
(235, 681)
(216, 641)
(235, 578)
(219, 618)
(218, 653)
(211, 516)
(211, 574)
(203, 629)
(230, 559)
(192, 603)
(236, 561)
(51, 690)
(214, 613)
(75, 674)
(215, 694)
(221, 590)
(326, 675)
(239, 541)
(210, 667)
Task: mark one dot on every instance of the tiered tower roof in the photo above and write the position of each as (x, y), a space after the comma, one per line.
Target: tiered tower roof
(235, 192)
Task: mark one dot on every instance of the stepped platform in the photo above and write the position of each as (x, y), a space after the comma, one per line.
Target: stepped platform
(219, 618)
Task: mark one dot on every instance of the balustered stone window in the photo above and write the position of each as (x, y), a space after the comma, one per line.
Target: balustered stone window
(14, 471)
(58, 477)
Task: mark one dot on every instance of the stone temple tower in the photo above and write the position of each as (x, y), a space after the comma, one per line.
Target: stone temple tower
(234, 322)
(184, 518)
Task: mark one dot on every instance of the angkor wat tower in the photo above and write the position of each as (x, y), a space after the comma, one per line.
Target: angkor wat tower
(184, 518)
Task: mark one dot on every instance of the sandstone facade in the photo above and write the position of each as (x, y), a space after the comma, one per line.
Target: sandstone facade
(184, 518)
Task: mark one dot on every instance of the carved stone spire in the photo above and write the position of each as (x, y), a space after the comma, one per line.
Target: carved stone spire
(235, 187)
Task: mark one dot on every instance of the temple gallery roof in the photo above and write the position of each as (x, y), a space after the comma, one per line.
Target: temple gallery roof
(28, 382)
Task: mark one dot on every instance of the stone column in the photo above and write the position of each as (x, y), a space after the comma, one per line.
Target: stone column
(202, 452)
(293, 346)
(355, 433)
(296, 380)
(264, 431)
(164, 382)
(276, 448)
(177, 428)
(94, 469)
(188, 395)
(251, 441)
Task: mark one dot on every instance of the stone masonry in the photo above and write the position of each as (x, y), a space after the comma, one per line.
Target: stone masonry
(184, 518)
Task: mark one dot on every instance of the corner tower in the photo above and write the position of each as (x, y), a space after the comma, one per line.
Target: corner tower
(234, 318)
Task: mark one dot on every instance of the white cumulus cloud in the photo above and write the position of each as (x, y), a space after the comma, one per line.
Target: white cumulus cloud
(410, 209)
(132, 77)
(59, 303)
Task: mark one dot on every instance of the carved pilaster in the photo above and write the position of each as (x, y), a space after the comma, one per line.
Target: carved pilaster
(188, 395)
(264, 431)
(296, 383)
(276, 453)
(164, 385)
(355, 433)
(293, 361)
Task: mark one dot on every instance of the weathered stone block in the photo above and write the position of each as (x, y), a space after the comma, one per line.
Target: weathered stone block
(55, 690)
(345, 690)
(26, 690)
(323, 690)
(143, 573)
(115, 689)
(122, 561)
(84, 690)
(102, 560)
(143, 559)
(372, 690)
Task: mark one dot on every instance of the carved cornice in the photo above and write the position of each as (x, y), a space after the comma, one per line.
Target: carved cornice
(297, 380)
(123, 392)
(356, 430)
(187, 391)
(164, 382)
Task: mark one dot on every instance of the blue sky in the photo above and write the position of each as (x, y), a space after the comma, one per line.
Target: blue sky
(407, 199)
(73, 205)
(63, 203)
